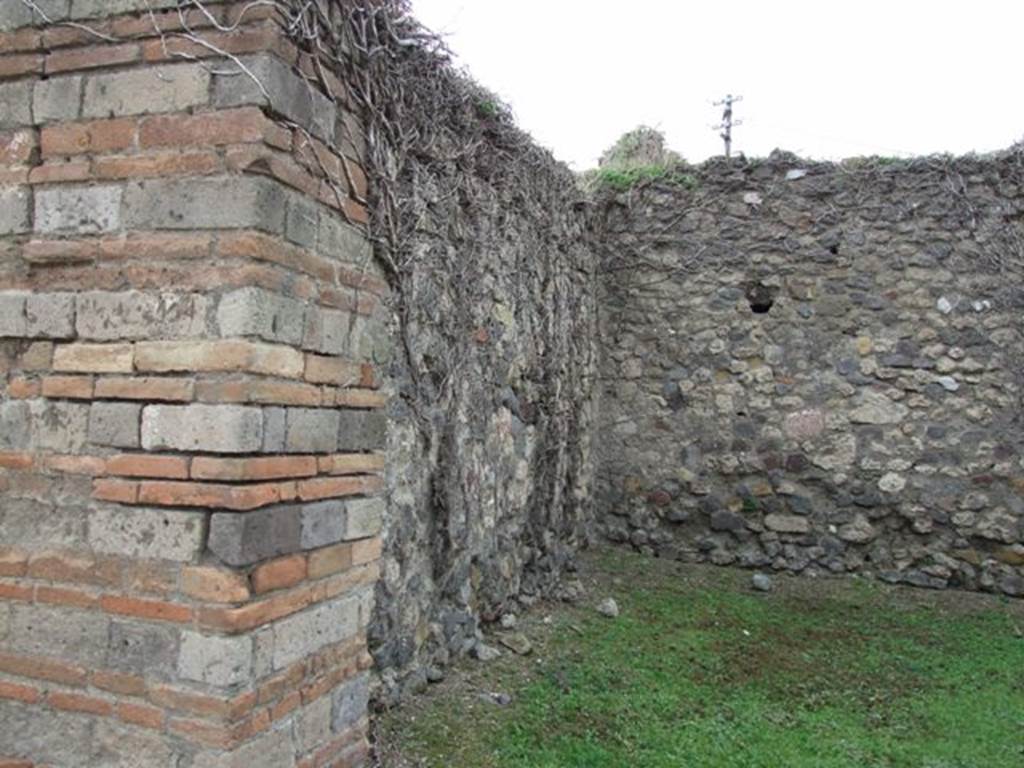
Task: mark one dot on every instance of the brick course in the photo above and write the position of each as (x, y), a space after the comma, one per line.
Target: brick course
(177, 569)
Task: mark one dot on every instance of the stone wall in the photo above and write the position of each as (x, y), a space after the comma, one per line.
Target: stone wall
(191, 417)
(815, 368)
(493, 369)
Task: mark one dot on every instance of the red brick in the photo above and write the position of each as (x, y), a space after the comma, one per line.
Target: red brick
(92, 57)
(227, 710)
(201, 732)
(140, 714)
(17, 692)
(13, 562)
(146, 609)
(20, 64)
(118, 682)
(14, 175)
(58, 36)
(232, 126)
(75, 567)
(159, 389)
(286, 705)
(90, 466)
(95, 136)
(331, 487)
(351, 463)
(21, 388)
(70, 387)
(258, 391)
(25, 39)
(261, 468)
(257, 614)
(333, 559)
(236, 41)
(154, 577)
(167, 21)
(12, 591)
(17, 147)
(218, 356)
(332, 370)
(215, 585)
(112, 489)
(177, 245)
(48, 252)
(279, 574)
(366, 550)
(42, 669)
(77, 702)
(54, 173)
(8, 762)
(147, 465)
(161, 164)
(237, 497)
(62, 596)
(93, 358)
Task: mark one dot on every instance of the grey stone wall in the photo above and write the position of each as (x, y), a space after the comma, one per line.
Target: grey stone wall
(813, 367)
(489, 437)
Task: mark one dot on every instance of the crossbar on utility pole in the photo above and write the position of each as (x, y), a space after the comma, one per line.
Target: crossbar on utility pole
(727, 123)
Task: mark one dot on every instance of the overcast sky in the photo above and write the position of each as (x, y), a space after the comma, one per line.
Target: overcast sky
(823, 79)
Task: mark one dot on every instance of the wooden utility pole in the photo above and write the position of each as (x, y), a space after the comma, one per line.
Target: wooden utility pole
(727, 123)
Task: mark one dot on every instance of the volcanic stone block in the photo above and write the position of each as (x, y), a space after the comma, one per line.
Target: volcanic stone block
(323, 523)
(167, 88)
(15, 210)
(60, 633)
(238, 201)
(57, 99)
(114, 424)
(257, 312)
(349, 702)
(364, 517)
(50, 315)
(106, 315)
(288, 94)
(146, 533)
(362, 430)
(13, 323)
(219, 661)
(78, 209)
(312, 430)
(244, 539)
(15, 104)
(198, 427)
(139, 648)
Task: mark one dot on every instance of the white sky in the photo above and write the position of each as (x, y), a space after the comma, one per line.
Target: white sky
(823, 78)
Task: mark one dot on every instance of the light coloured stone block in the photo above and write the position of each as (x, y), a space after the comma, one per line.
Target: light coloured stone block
(79, 209)
(215, 660)
(107, 315)
(211, 428)
(147, 533)
(166, 88)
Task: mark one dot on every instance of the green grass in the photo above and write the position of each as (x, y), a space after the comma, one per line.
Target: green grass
(700, 671)
(622, 179)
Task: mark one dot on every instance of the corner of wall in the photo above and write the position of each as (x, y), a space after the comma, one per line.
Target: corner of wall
(191, 416)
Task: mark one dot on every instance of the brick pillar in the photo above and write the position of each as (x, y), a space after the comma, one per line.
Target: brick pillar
(190, 415)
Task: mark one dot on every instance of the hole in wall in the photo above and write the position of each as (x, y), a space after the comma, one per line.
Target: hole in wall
(834, 249)
(761, 298)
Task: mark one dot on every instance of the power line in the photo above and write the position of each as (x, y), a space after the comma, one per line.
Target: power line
(727, 123)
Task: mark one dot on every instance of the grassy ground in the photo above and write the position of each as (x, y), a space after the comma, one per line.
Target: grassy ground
(698, 670)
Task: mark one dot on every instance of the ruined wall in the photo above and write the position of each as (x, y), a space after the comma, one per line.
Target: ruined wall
(493, 365)
(190, 413)
(819, 368)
